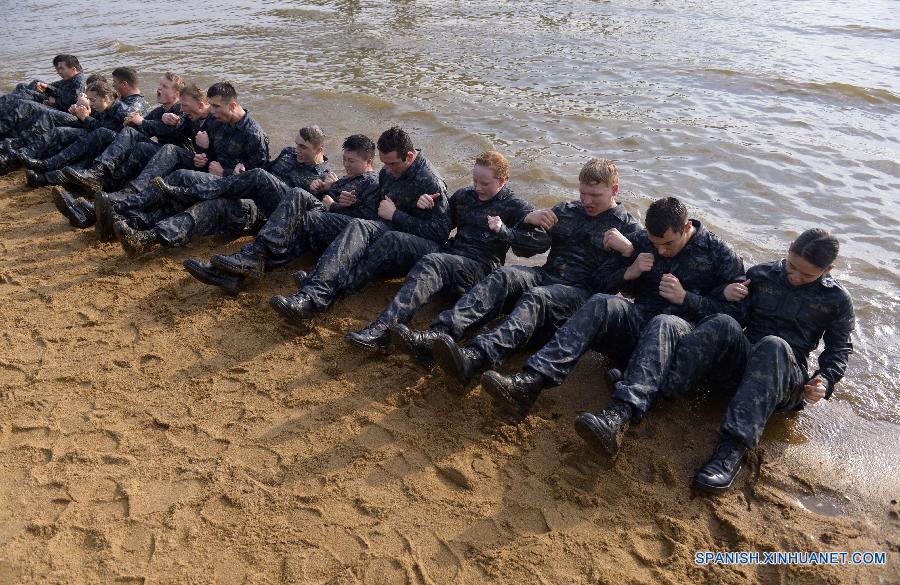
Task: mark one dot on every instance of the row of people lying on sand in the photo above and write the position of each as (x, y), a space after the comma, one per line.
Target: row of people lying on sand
(694, 314)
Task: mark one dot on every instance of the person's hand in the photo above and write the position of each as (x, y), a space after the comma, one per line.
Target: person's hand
(670, 289)
(50, 101)
(427, 201)
(814, 390)
(41, 86)
(641, 264)
(327, 202)
(495, 224)
(316, 186)
(542, 218)
(201, 139)
(386, 209)
(200, 161)
(170, 119)
(134, 119)
(347, 198)
(614, 240)
(737, 291)
(330, 179)
(239, 168)
(81, 112)
(215, 168)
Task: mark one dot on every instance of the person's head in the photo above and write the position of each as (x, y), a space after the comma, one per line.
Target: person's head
(396, 151)
(668, 226)
(67, 66)
(811, 256)
(193, 102)
(100, 95)
(169, 89)
(598, 183)
(223, 104)
(95, 77)
(359, 152)
(125, 80)
(490, 174)
(310, 142)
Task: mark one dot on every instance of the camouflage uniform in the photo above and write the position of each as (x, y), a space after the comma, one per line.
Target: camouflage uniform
(64, 91)
(472, 253)
(542, 298)
(646, 331)
(343, 267)
(217, 216)
(266, 186)
(767, 364)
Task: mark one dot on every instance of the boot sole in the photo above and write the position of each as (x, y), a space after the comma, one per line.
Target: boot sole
(596, 444)
(448, 361)
(200, 276)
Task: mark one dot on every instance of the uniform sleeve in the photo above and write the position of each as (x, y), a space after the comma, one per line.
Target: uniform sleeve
(256, 151)
(838, 347)
(53, 89)
(433, 224)
(154, 126)
(696, 307)
(368, 196)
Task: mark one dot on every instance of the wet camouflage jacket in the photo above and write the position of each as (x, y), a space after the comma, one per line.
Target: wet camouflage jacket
(802, 316)
(420, 178)
(474, 239)
(113, 118)
(164, 133)
(368, 195)
(577, 256)
(293, 173)
(65, 91)
(243, 142)
(705, 266)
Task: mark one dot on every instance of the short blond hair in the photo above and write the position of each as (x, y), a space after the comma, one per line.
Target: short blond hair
(599, 170)
(496, 162)
(178, 82)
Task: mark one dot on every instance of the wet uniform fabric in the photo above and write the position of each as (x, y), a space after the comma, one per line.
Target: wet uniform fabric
(766, 365)
(64, 91)
(266, 186)
(214, 217)
(644, 332)
(343, 269)
(538, 298)
(472, 253)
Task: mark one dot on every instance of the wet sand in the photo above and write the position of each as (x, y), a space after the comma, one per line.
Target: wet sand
(153, 430)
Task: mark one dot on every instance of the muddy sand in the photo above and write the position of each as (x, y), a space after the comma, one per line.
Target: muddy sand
(153, 430)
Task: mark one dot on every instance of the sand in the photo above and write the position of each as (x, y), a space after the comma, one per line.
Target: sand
(153, 430)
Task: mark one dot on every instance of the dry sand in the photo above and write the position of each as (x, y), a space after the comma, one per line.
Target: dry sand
(153, 430)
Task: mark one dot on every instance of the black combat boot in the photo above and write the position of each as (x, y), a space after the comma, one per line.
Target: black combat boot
(7, 164)
(416, 343)
(460, 362)
(250, 261)
(89, 180)
(87, 208)
(374, 336)
(171, 192)
(34, 164)
(613, 376)
(300, 278)
(54, 178)
(35, 180)
(514, 394)
(209, 274)
(134, 242)
(719, 473)
(106, 217)
(66, 204)
(296, 308)
(604, 432)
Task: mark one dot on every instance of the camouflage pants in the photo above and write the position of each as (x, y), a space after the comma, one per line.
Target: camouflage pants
(297, 225)
(606, 323)
(263, 187)
(765, 377)
(436, 272)
(126, 156)
(88, 146)
(31, 120)
(146, 208)
(167, 159)
(649, 361)
(357, 255)
(219, 216)
(52, 142)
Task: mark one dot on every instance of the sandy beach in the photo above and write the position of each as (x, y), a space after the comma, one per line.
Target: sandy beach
(153, 430)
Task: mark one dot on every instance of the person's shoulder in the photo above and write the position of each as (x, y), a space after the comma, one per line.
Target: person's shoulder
(766, 269)
(834, 287)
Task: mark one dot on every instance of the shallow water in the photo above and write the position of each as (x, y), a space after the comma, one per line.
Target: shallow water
(767, 118)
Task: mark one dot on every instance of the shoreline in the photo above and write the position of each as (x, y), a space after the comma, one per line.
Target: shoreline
(152, 428)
